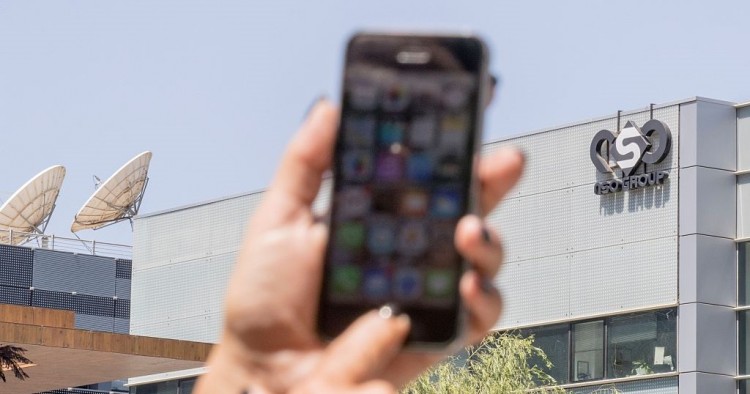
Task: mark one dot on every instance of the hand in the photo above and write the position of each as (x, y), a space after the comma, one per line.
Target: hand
(269, 340)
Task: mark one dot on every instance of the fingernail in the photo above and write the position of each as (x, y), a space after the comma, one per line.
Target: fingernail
(522, 153)
(388, 311)
(486, 285)
(313, 104)
(486, 235)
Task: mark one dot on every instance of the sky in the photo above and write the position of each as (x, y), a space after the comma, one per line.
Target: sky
(215, 89)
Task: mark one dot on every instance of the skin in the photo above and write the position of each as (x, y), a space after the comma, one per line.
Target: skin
(269, 343)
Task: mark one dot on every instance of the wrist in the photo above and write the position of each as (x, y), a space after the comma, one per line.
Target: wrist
(234, 368)
(224, 374)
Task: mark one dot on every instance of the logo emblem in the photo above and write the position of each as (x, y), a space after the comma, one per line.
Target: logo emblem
(626, 150)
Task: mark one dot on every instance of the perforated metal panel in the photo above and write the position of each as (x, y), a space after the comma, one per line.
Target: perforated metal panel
(69, 272)
(200, 328)
(122, 309)
(122, 326)
(52, 299)
(322, 202)
(124, 268)
(55, 270)
(122, 288)
(180, 291)
(95, 323)
(210, 229)
(15, 295)
(96, 275)
(93, 305)
(16, 265)
(570, 252)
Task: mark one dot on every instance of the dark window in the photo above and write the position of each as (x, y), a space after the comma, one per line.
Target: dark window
(186, 385)
(169, 387)
(553, 340)
(641, 344)
(743, 265)
(744, 341)
(588, 351)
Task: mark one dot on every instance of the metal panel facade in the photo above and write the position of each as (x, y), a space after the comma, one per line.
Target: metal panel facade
(182, 261)
(16, 266)
(571, 253)
(188, 234)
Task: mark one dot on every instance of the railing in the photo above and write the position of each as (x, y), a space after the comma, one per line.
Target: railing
(75, 245)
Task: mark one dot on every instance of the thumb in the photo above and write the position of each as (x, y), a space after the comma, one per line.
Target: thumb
(365, 348)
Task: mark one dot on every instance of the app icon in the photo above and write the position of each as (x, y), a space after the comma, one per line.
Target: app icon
(455, 124)
(440, 283)
(419, 167)
(363, 94)
(357, 166)
(391, 132)
(381, 235)
(350, 235)
(414, 202)
(442, 249)
(422, 131)
(390, 167)
(345, 279)
(412, 238)
(426, 96)
(375, 285)
(385, 199)
(395, 98)
(353, 202)
(446, 203)
(407, 283)
(455, 96)
(448, 167)
(359, 131)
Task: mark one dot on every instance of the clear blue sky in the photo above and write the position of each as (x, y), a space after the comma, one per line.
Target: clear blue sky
(216, 88)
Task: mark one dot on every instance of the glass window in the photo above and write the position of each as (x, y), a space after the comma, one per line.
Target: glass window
(588, 351)
(743, 265)
(641, 344)
(553, 340)
(157, 388)
(186, 385)
(744, 341)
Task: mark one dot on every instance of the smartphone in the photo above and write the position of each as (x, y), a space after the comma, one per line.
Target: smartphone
(403, 176)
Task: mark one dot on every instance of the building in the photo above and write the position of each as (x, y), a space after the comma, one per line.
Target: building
(625, 252)
(68, 305)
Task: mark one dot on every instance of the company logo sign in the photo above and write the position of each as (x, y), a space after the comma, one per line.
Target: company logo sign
(626, 151)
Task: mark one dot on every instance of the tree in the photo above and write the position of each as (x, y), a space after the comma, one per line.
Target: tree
(10, 359)
(500, 364)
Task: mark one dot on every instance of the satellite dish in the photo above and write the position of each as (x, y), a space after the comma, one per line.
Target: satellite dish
(27, 211)
(118, 198)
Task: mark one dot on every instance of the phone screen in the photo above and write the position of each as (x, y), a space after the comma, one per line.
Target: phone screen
(402, 179)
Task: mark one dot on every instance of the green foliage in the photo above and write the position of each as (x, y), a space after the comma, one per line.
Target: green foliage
(10, 358)
(500, 364)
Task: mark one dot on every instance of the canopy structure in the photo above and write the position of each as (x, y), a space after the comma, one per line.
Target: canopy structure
(26, 213)
(63, 356)
(118, 198)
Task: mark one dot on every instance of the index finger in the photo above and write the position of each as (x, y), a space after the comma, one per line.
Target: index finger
(498, 173)
(308, 156)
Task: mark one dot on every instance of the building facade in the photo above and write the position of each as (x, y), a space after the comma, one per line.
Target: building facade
(70, 310)
(625, 252)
